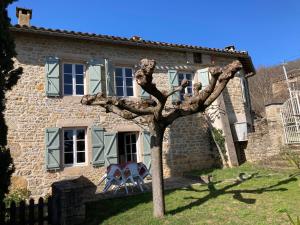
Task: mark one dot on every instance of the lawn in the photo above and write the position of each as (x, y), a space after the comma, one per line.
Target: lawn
(263, 197)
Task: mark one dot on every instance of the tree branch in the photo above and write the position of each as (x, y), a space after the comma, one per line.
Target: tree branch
(141, 107)
(203, 98)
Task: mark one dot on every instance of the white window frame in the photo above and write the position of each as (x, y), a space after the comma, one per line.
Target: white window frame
(124, 81)
(184, 77)
(73, 79)
(75, 147)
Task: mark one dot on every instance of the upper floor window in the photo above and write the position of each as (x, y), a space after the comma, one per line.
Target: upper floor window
(124, 81)
(73, 79)
(189, 89)
(74, 146)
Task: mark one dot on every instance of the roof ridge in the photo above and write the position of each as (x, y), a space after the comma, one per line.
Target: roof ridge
(142, 41)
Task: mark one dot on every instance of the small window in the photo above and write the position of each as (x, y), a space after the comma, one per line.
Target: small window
(74, 146)
(73, 79)
(124, 81)
(127, 147)
(189, 89)
(197, 57)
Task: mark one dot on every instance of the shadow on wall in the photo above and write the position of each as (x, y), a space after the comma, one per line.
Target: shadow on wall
(190, 146)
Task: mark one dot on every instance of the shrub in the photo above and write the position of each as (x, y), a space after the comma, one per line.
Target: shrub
(16, 196)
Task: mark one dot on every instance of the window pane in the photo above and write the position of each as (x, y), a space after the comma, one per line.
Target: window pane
(134, 158)
(79, 79)
(120, 91)
(127, 139)
(80, 134)
(128, 72)
(68, 158)
(128, 149)
(119, 81)
(180, 76)
(79, 69)
(188, 76)
(80, 146)
(119, 72)
(67, 79)
(189, 90)
(79, 90)
(80, 157)
(133, 137)
(67, 68)
(128, 158)
(129, 91)
(133, 148)
(68, 146)
(68, 134)
(129, 82)
(68, 89)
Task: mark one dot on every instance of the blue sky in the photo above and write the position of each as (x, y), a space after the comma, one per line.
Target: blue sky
(268, 29)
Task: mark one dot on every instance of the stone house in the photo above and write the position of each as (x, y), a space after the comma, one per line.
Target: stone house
(53, 137)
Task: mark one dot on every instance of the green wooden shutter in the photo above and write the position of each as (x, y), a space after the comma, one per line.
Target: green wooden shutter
(144, 94)
(52, 139)
(52, 76)
(94, 72)
(174, 82)
(111, 151)
(203, 77)
(98, 146)
(147, 149)
(110, 78)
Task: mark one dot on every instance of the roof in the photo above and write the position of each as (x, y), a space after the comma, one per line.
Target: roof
(241, 55)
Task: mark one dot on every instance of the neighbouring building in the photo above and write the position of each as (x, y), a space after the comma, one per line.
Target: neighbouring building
(53, 137)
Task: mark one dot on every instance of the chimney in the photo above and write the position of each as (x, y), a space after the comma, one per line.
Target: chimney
(230, 48)
(24, 16)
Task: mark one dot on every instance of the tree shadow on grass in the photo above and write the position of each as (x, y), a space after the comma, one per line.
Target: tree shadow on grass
(237, 194)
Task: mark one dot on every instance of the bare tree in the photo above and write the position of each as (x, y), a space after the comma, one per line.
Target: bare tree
(159, 116)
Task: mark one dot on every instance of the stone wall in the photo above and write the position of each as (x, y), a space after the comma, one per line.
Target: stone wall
(29, 111)
(267, 139)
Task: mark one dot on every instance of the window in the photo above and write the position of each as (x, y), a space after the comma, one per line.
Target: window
(74, 146)
(124, 81)
(197, 57)
(127, 147)
(73, 79)
(189, 89)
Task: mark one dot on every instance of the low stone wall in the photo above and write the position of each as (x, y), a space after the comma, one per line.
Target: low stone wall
(267, 140)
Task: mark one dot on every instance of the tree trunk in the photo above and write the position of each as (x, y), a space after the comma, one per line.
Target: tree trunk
(157, 172)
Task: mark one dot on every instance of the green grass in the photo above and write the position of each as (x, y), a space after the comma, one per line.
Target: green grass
(264, 198)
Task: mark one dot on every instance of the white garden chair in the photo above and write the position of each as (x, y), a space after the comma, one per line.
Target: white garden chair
(143, 171)
(131, 173)
(114, 176)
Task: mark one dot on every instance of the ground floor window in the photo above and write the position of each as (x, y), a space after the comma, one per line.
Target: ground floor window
(74, 146)
(127, 150)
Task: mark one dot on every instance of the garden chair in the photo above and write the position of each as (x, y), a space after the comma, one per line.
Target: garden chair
(131, 174)
(143, 171)
(114, 176)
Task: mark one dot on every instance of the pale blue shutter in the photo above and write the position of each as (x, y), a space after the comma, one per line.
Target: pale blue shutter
(147, 149)
(110, 78)
(111, 151)
(174, 82)
(144, 94)
(98, 146)
(52, 139)
(52, 76)
(203, 77)
(94, 72)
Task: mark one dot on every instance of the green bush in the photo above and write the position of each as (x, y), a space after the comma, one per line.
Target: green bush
(16, 196)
